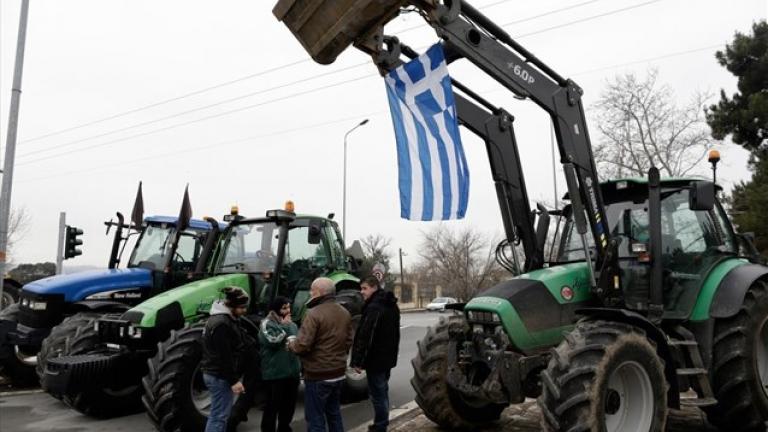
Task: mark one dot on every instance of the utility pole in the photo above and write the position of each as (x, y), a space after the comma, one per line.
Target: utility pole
(60, 249)
(344, 192)
(402, 275)
(10, 142)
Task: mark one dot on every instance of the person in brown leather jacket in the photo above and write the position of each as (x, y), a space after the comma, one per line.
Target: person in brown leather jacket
(322, 344)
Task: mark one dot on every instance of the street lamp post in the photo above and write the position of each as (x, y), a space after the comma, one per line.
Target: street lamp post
(344, 193)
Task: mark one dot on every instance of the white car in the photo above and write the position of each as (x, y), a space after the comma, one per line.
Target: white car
(439, 303)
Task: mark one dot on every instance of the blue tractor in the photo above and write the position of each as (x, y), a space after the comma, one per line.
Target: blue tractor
(44, 323)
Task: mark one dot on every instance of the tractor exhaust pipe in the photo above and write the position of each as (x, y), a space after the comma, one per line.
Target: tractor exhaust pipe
(656, 303)
(114, 261)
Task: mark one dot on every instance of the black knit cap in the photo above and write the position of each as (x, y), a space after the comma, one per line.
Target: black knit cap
(234, 297)
(278, 303)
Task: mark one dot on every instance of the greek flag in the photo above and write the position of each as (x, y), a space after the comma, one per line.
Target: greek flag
(433, 174)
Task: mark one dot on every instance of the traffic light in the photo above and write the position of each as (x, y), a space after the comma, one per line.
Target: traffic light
(72, 242)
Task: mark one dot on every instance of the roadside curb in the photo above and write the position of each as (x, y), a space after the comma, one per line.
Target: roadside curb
(20, 392)
(397, 417)
(412, 310)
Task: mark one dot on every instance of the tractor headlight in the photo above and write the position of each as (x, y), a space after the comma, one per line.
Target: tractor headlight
(134, 332)
(471, 315)
(495, 318)
(37, 305)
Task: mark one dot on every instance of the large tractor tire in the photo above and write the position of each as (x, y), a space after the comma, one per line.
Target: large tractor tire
(439, 402)
(175, 395)
(18, 361)
(740, 365)
(120, 394)
(55, 345)
(604, 377)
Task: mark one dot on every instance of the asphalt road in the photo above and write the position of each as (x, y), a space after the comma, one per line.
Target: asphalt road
(38, 412)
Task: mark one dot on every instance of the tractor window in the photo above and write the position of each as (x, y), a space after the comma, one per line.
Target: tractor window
(336, 246)
(724, 225)
(250, 248)
(299, 249)
(190, 245)
(152, 247)
(684, 230)
(302, 263)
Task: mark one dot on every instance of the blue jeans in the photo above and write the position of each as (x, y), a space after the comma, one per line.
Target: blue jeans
(322, 404)
(221, 403)
(378, 390)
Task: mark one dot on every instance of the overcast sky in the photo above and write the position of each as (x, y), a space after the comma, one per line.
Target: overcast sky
(263, 138)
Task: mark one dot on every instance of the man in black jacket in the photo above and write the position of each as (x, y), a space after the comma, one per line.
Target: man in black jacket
(223, 347)
(377, 341)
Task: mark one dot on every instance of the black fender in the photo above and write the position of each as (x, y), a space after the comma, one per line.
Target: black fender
(732, 289)
(654, 333)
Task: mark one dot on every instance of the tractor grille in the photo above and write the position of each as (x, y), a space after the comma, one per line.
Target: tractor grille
(483, 317)
(37, 317)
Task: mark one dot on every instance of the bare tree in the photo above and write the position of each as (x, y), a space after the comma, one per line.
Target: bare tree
(641, 125)
(462, 262)
(18, 225)
(375, 248)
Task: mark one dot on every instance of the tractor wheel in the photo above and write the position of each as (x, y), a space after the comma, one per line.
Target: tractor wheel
(607, 377)
(102, 400)
(18, 363)
(740, 365)
(55, 345)
(175, 395)
(10, 295)
(439, 402)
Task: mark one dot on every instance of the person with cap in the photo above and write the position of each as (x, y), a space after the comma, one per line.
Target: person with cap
(280, 368)
(223, 346)
(323, 344)
(377, 342)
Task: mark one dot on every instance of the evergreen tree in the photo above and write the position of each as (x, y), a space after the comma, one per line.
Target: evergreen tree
(744, 116)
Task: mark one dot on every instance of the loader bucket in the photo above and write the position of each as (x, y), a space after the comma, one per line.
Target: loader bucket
(327, 27)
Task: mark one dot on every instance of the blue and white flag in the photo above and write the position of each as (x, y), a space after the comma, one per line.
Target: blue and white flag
(433, 174)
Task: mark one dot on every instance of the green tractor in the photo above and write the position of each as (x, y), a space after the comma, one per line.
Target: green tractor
(653, 301)
(594, 366)
(152, 352)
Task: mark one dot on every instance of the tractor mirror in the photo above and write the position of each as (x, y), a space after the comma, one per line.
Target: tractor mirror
(702, 196)
(315, 232)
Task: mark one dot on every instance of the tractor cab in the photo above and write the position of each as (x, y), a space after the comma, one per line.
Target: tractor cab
(171, 255)
(282, 254)
(696, 236)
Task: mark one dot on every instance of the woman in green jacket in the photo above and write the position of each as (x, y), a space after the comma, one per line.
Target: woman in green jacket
(280, 368)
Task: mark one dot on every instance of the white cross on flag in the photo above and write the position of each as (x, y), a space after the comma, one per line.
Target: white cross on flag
(433, 174)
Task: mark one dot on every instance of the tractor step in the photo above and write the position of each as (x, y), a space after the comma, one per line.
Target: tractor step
(691, 371)
(698, 402)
